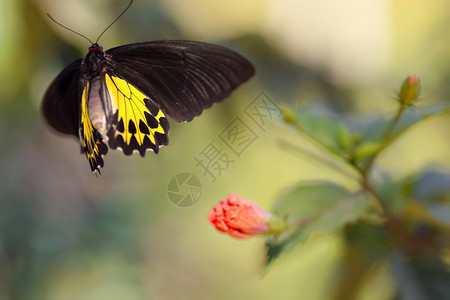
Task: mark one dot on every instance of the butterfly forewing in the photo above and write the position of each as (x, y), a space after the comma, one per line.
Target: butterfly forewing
(182, 77)
(137, 123)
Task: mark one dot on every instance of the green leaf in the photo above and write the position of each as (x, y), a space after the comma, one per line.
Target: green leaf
(366, 150)
(415, 115)
(307, 198)
(328, 131)
(432, 190)
(429, 190)
(314, 207)
(421, 278)
(277, 244)
(372, 129)
(365, 248)
(395, 194)
(346, 210)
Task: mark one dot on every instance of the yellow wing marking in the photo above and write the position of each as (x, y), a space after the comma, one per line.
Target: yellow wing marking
(90, 138)
(138, 123)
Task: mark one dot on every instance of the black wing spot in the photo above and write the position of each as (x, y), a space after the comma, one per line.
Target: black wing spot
(131, 127)
(161, 139)
(143, 127)
(149, 144)
(128, 149)
(134, 145)
(151, 120)
(115, 141)
(152, 107)
(164, 123)
(120, 126)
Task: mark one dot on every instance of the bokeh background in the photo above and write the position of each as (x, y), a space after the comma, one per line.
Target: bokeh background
(66, 234)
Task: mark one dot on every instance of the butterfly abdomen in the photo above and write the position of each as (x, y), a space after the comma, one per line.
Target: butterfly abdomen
(96, 106)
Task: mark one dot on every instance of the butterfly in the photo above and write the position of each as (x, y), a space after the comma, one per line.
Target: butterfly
(122, 97)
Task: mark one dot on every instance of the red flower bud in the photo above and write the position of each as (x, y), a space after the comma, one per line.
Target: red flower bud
(410, 90)
(239, 217)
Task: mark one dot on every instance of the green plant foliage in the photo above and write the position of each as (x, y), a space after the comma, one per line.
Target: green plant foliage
(423, 278)
(432, 191)
(377, 131)
(330, 132)
(401, 222)
(321, 207)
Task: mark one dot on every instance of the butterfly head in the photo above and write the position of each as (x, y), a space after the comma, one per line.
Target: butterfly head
(95, 47)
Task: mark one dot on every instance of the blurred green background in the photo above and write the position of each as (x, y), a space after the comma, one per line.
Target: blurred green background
(66, 234)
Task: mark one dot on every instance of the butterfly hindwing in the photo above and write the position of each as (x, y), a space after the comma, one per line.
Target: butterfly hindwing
(137, 124)
(90, 138)
(182, 77)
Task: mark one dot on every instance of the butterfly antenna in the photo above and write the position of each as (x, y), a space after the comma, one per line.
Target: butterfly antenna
(126, 8)
(65, 27)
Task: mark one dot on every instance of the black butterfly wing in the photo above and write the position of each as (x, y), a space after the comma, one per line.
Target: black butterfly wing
(182, 77)
(61, 105)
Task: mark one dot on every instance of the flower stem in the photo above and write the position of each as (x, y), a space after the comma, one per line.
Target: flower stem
(298, 223)
(364, 172)
(386, 138)
(367, 187)
(394, 123)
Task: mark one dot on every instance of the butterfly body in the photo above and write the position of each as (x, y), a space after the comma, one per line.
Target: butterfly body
(122, 96)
